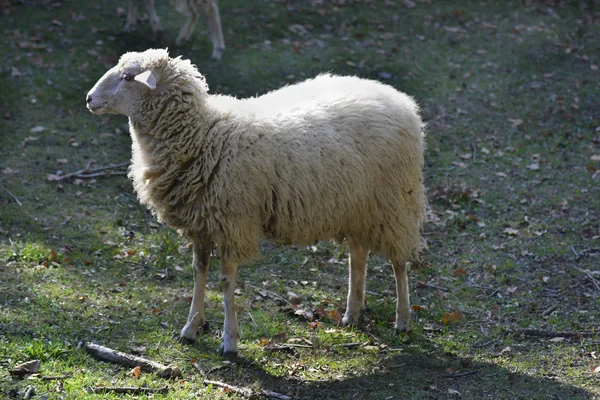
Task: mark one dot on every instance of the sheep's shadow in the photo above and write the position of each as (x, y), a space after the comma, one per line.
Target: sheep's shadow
(425, 376)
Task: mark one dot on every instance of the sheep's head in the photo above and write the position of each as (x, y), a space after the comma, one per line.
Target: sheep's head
(122, 88)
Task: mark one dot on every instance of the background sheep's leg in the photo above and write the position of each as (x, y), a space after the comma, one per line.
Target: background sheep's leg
(131, 17)
(154, 21)
(193, 14)
(402, 301)
(356, 284)
(228, 279)
(213, 20)
(200, 267)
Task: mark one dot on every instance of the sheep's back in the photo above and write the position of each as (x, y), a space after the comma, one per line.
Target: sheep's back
(346, 163)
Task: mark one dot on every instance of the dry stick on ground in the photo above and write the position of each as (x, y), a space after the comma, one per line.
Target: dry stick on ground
(245, 392)
(128, 390)
(12, 195)
(29, 393)
(589, 275)
(129, 360)
(460, 375)
(550, 334)
(269, 293)
(87, 173)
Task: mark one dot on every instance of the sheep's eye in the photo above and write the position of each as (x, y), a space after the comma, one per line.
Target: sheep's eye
(127, 77)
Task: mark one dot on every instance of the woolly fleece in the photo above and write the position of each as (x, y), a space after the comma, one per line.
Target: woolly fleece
(322, 159)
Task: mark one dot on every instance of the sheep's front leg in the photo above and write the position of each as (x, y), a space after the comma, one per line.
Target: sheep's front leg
(356, 285)
(213, 20)
(154, 20)
(228, 278)
(402, 301)
(200, 267)
(186, 31)
(131, 17)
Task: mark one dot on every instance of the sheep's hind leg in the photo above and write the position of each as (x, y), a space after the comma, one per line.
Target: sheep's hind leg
(153, 17)
(213, 20)
(356, 284)
(402, 301)
(200, 267)
(228, 278)
(131, 17)
(186, 31)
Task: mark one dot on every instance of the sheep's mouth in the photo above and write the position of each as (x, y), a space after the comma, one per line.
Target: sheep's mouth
(96, 109)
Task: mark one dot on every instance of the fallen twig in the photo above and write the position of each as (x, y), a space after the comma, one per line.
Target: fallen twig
(589, 275)
(129, 360)
(12, 195)
(128, 389)
(484, 344)
(550, 334)
(347, 345)
(460, 375)
(269, 293)
(431, 285)
(549, 310)
(29, 393)
(245, 392)
(577, 256)
(87, 173)
(283, 347)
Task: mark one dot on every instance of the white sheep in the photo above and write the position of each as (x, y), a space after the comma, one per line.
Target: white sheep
(191, 8)
(330, 158)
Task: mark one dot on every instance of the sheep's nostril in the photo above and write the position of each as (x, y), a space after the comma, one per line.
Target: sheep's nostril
(89, 98)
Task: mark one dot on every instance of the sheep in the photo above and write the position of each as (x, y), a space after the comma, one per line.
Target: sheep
(333, 157)
(191, 8)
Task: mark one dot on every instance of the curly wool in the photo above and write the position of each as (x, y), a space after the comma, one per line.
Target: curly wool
(323, 159)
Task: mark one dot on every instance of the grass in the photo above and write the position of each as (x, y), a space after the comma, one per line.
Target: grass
(509, 91)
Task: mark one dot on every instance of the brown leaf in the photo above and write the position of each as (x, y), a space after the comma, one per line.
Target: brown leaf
(335, 316)
(459, 271)
(136, 372)
(315, 325)
(451, 370)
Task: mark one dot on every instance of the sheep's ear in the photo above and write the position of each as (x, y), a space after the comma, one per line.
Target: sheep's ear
(148, 78)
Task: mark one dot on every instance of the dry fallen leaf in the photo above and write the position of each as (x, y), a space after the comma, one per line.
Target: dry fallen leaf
(315, 325)
(515, 122)
(38, 129)
(511, 231)
(136, 372)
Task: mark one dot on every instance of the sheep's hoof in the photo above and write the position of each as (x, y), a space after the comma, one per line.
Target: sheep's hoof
(129, 27)
(350, 320)
(185, 340)
(228, 355)
(217, 53)
(401, 327)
